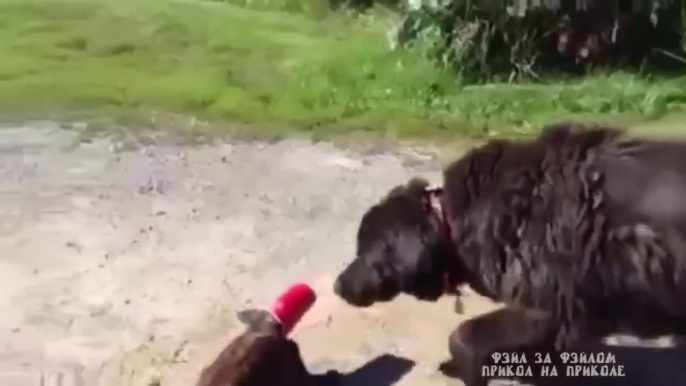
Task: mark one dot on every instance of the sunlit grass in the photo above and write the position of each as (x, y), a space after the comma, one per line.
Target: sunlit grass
(306, 69)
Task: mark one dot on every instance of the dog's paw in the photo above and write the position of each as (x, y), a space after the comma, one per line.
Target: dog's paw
(329, 378)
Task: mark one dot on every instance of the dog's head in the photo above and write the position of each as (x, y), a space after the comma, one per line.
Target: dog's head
(400, 249)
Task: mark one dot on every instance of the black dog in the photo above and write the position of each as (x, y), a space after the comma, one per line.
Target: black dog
(582, 225)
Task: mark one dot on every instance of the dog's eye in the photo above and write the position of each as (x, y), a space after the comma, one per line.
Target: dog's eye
(388, 248)
(381, 269)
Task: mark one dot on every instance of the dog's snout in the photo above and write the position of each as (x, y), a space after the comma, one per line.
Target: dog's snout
(338, 287)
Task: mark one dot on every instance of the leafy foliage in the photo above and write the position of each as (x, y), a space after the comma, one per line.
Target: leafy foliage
(488, 44)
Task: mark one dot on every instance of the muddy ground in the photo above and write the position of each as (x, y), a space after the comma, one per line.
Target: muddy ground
(124, 259)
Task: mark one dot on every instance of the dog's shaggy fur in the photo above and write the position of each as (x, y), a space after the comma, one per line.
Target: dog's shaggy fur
(580, 223)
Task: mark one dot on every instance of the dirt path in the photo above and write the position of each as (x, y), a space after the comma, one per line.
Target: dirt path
(124, 261)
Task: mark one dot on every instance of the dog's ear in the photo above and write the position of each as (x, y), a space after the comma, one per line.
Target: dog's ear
(397, 191)
(416, 187)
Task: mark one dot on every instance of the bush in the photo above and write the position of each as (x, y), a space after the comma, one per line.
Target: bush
(483, 44)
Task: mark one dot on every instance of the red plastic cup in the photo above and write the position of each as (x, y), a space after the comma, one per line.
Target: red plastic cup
(292, 305)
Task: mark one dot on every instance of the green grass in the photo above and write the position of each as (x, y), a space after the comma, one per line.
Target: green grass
(300, 67)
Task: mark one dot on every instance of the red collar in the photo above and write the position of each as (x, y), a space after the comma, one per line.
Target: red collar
(434, 206)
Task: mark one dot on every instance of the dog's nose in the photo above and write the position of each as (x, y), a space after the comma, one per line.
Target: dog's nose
(338, 287)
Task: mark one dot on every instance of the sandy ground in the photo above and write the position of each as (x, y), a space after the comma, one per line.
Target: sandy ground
(124, 260)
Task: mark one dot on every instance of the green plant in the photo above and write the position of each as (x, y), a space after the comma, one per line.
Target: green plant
(327, 74)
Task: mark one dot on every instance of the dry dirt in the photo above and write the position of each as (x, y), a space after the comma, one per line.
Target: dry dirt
(124, 260)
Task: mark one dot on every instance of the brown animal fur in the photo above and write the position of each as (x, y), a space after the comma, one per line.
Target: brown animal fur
(261, 356)
(579, 223)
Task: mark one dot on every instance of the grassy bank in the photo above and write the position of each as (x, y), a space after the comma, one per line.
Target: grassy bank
(311, 71)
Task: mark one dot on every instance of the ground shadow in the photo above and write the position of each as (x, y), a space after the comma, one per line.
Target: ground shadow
(384, 370)
(643, 366)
